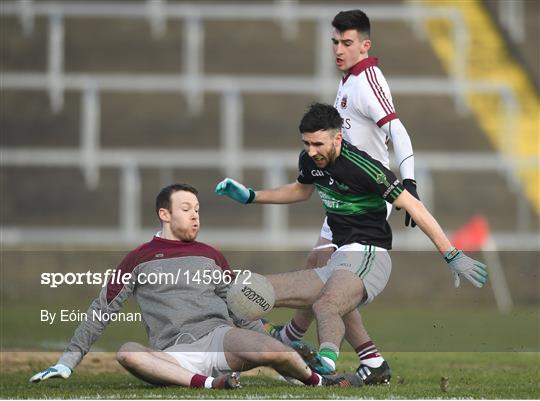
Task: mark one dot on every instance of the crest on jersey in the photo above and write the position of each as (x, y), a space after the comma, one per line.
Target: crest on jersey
(381, 179)
(341, 186)
(344, 102)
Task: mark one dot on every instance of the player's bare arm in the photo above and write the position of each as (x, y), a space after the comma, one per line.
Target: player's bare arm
(459, 263)
(424, 220)
(289, 193)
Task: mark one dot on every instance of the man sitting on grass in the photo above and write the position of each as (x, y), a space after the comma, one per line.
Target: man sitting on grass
(193, 341)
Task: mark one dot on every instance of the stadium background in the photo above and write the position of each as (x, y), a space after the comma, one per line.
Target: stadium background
(104, 103)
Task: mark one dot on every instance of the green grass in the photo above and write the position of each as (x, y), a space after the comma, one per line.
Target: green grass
(474, 348)
(404, 329)
(416, 375)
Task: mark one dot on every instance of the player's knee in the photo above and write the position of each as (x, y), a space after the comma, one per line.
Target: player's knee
(311, 260)
(127, 353)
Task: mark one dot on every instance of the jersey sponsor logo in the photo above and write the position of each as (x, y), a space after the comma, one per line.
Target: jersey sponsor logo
(343, 102)
(348, 204)
(346, 123)
(332, 203)
(317, 173)
(331, 181)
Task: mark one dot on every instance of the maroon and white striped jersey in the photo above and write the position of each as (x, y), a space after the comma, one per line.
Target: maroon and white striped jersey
(365, 104)
(175, 306)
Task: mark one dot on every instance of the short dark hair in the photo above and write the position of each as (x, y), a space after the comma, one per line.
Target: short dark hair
(163, 199)
(352, 19)
(320, 116)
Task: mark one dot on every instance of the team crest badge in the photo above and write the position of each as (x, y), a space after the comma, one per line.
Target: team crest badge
(344, 102)
(381, 178)
(342, 187)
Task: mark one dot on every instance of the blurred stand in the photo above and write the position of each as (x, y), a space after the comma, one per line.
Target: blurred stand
(232, 157)
(476, 236)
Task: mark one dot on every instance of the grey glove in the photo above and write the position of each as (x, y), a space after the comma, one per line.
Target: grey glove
(471, 269)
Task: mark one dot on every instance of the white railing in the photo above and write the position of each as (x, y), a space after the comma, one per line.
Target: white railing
(230, 156)
(275, 232)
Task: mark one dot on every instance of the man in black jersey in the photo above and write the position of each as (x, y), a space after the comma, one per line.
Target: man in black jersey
(353, 188)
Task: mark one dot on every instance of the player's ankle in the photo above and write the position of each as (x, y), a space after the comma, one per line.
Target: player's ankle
(201, 381)
(292, 332)
(374, 362)
(314, 380)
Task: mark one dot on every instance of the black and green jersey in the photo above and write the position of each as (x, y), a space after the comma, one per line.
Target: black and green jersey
(353, 190)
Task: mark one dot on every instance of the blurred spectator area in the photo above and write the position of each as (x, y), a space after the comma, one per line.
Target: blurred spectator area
(518, 22)
(103, 104)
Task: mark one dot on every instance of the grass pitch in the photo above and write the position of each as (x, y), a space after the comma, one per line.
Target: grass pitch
(416, 375)
(475, 349)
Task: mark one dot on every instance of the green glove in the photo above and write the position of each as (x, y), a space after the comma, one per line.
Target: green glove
(234, 190)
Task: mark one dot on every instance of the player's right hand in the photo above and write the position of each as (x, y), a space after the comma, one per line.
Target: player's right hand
(471, 269)
(234, 190)
(57, 371)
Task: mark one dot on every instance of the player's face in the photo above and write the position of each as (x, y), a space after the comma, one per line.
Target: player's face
(322, 146)
(183, 218)
(349, 47)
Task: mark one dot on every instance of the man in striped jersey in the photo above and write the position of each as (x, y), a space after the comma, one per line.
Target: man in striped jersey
(353, 188)
(365, 103)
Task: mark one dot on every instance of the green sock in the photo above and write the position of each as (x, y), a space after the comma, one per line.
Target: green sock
(329, 353)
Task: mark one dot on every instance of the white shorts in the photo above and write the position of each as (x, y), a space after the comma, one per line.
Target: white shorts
(205, 356)
(372, 264)
(326, 232)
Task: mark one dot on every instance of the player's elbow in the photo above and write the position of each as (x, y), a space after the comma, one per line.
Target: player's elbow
(304, 193)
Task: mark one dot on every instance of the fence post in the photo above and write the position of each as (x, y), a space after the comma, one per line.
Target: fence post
(89, 134)
(130, 201)
(56, 61)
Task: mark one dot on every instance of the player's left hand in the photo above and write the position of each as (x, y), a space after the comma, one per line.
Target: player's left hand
(57, 370)
(410, 186)
(471, 269)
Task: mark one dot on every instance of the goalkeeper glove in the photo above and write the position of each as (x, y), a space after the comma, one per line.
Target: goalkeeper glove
(57, 370)
(234, 190)
(471, 269)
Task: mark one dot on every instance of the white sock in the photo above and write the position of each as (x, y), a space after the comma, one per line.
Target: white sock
(373, 362)
(329, 362)
(208, 382)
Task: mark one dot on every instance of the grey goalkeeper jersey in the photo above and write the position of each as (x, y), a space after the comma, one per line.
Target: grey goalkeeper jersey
(182, 308)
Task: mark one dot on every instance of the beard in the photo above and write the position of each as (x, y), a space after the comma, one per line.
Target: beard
(332, 155)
